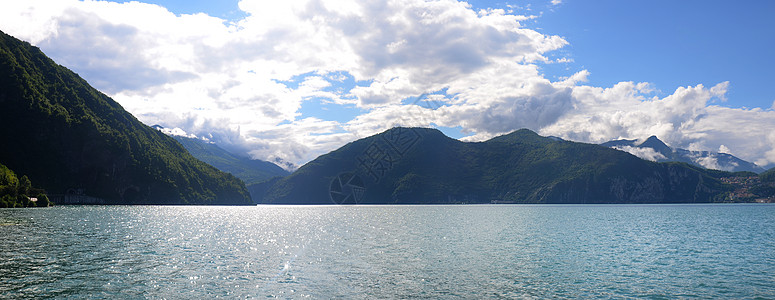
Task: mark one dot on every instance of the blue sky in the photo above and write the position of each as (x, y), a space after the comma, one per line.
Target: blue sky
(672, 44)
(667, 43)
(290, 80)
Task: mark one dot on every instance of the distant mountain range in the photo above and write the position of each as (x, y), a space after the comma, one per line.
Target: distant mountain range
(423, 166)
(251, 171)
(655, 150)
(71, 139)
(64, 136)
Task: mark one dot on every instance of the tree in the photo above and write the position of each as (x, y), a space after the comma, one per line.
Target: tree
(43, 200)
(24, 185)
(6, 201)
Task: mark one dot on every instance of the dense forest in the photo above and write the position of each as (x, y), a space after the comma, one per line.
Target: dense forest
(19, 192)
(423, 166)
(67, 137)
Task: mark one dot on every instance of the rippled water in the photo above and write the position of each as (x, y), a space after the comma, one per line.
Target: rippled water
(503, 251)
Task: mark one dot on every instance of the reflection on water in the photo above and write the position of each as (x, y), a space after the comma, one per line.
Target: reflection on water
(512, 251)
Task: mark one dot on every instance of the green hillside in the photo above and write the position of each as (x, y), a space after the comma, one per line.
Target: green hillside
(67, 136)
(768, 176)
(19, 192)
(251, 171)
(422, 166)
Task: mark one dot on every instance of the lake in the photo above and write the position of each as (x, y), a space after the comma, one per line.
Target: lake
(464, 251)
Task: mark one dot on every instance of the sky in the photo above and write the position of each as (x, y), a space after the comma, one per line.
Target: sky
(286, 81)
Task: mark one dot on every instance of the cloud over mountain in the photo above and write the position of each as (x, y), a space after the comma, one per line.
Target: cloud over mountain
(245, 83)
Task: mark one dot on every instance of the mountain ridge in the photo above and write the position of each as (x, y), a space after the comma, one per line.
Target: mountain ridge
(256, 174)
(664, 153)
(423, 166)
(250, 171)
(70, 138)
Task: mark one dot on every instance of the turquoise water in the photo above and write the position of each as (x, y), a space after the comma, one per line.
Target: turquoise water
(498, 251)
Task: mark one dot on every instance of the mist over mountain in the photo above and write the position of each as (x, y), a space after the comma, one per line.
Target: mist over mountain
(249, 170)
(255, 173)
(655, 150)
(423, 166)
(69, 138)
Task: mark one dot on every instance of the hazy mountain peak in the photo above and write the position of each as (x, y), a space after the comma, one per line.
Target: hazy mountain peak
(655, 143)
(249, 170)
(519, 167)
(654, 149)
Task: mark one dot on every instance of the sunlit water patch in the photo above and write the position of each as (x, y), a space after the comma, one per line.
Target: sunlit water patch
(501, 251)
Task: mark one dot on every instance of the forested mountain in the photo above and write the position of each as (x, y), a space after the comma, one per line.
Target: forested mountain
(765, 188)
(768, 176)
(251, 171)
(257, 174)
(67, 137)
(656, 150)
(422, 166)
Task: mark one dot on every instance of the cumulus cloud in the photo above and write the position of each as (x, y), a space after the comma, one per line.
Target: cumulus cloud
(644, 153)
(178, 132)
(243, 84)
(211, 77)
(708, 162)
(684, 119)
(724, 149)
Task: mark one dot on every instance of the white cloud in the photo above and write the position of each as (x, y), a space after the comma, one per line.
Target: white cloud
(708, 162)
(684, 119)
(210, 77)
(177, 131)
(724, 149)
(769, 155)
(229, 82)
(644, 153)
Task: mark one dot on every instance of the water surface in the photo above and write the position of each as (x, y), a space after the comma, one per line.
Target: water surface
(487, 251)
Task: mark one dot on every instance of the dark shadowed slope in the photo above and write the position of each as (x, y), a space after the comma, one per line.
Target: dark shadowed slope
(422, 166)
(68, 137)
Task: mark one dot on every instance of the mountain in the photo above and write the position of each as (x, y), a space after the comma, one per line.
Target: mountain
(71, 139)
(251, 171)
(256, 174)
(656, 150)
(764, 190)
(750, 187)
(423, 166)
(768, 176)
